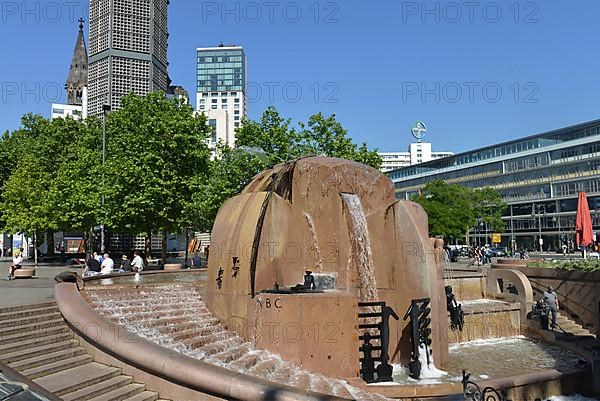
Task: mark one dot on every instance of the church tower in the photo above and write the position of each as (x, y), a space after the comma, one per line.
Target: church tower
(78, 74)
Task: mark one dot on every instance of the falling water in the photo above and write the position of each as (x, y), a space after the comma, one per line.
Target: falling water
(362, 257)
(315, 242)
(175, 317)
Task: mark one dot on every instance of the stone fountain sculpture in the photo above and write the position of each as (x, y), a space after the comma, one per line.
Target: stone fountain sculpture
(339, 220)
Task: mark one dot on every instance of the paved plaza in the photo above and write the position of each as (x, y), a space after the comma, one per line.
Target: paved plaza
(30, 291)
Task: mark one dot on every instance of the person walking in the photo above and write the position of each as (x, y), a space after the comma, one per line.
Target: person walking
(552, 304)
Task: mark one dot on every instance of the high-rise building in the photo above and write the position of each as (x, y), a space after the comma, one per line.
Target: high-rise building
(128, 50)
(221, 89)
(538, 176)
(77, 81)
(418, 152)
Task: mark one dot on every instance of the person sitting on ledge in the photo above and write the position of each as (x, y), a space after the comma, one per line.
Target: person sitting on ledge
(17, 264)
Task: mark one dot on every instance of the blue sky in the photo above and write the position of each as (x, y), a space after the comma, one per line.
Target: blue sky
(477, 72)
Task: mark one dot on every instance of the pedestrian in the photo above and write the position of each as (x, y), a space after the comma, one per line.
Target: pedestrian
(551, 303)
(92, 266)
(107, 265)
(125, 266)
(137, 265)
(16, 264)
(564, 249)
(196, 261)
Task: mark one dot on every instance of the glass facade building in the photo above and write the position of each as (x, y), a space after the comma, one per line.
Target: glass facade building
(221, 70)
(538, 176)
(221, 90)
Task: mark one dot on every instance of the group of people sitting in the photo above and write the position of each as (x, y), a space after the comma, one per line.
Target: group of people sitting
(103, 264)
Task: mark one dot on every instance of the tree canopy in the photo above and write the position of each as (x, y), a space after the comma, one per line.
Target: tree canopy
(269, 141)
(320, 136)
(159, 173)
(454, 209)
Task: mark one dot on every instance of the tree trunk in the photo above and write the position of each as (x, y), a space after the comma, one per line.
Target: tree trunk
(50, 242)
(35, 254)
(148, 244)
(164, 246)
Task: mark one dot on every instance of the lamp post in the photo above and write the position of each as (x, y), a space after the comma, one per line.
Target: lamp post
(187, 244)
(538, 210)
(105, 109)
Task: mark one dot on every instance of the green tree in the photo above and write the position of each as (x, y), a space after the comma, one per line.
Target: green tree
(489, 207)
(230, 171)
(321, 136)
(75, 190)
(157, 148)
(449, 207)
(453, 209)
(37, 151)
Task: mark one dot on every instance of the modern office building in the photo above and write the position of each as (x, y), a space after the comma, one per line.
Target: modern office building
(539, 177)
(417, 153)
(77, 82)
(128, 50)
(221, 89)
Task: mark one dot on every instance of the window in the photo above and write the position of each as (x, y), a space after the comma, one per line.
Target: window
(237, 100)
(224, 106)
(237, 125)
(224, 100)
(237, 112)
(202, 108)
(237, 118)
(214, 107)
(237, 106)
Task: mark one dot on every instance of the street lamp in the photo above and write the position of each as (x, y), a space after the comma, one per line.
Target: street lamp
(105, 109)
(538, 210)
(187, 244)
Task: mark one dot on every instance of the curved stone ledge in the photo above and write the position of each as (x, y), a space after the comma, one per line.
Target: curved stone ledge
(169, 365)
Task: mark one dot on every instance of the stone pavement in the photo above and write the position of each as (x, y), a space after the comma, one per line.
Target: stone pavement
(30, 291)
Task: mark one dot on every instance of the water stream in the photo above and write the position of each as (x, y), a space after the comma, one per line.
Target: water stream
(361, 255)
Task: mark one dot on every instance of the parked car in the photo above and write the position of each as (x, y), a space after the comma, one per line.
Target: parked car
(497, 252)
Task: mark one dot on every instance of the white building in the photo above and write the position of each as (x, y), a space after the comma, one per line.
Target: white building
(419, 152)
(66, 110)
(221, 90)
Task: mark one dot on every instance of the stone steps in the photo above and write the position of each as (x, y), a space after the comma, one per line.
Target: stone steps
(11, 347)
(570, 326)
(99, 389)
(35, 341)
(121, 393)
(31, 351)
(57, 366)
(28, 312)
(71, 380)
(27, 320)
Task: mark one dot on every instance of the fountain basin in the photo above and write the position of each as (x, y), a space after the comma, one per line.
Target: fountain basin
(178, 376)
(166, 371)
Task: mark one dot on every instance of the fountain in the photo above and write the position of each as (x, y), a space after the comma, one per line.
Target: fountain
(311, 269)
(345, 216)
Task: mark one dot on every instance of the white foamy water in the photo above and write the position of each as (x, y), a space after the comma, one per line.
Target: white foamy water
(575, 397)
(315, 242)
(429, 373)
(176, 318)
(362, 256)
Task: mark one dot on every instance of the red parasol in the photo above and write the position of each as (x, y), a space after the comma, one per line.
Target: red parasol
(583, 222)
